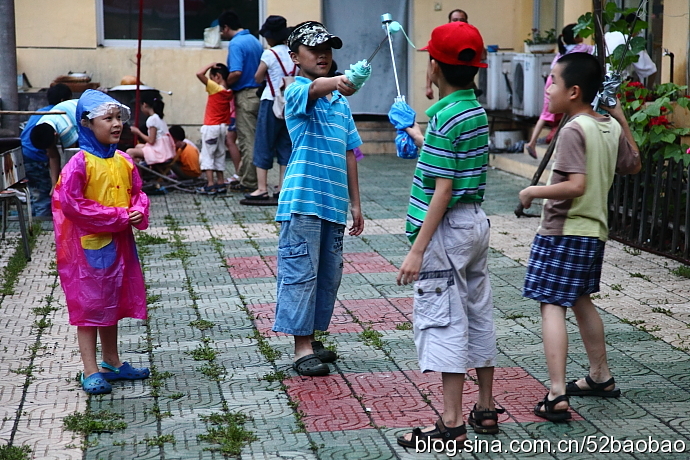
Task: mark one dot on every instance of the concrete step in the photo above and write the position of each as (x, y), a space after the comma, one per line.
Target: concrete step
(521, 164)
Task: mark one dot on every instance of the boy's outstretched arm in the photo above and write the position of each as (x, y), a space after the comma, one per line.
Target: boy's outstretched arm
(412, 265)
(201, 73)
(353, 190)
(574, 187)
(324, 86)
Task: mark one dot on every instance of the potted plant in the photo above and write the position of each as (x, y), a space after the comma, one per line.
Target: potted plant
(541, 43)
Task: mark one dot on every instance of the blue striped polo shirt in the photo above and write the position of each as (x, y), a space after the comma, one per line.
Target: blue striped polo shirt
(321, 131)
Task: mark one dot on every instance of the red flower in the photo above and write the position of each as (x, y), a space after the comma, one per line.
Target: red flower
(659, 121)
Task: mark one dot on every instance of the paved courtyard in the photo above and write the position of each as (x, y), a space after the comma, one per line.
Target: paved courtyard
(210, 267)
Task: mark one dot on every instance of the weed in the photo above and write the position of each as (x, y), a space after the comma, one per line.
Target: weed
(144, 239)
(314, 447)
(213, 371)
(158, 441)
(616, 287)
(632, 251)
(270, 353)
(664, 311)
(228, 431)
(16, 263)
(86, 423)
(8, 452)
(176, 396)
(503, 233)
(152, 298)
(640, 275)
(202, 324)
(277, 376)
(119, 443)
(682, 271)
(44, 311)
(403, 326)
(650, 329)
(632, 322)
(43, 323)
(203, 353)
(514, 316)
(371, 337)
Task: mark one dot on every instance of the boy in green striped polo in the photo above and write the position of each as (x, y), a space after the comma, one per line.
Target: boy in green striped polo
(453, 309)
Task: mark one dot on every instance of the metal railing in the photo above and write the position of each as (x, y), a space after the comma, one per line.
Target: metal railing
(651, 210)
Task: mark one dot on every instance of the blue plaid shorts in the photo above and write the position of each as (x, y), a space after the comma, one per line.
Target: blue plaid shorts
(563, 268)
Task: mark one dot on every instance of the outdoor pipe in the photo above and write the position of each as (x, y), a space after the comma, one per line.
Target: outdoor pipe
(672, 56)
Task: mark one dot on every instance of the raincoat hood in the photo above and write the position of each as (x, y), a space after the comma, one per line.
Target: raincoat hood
(93, 104)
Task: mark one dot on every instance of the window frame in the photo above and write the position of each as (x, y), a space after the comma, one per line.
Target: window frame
(132, 43)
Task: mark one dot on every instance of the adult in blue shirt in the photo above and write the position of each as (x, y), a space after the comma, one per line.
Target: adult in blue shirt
(36, 161)
(244, 56)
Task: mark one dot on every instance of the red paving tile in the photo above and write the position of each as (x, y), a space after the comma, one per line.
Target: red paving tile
(393, 399)
(380, 313)
(353, 262)
(264, 316)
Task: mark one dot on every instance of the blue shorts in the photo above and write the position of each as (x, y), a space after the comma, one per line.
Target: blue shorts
(563, 268)
(232, 126)
(272, 138)
(310, 267)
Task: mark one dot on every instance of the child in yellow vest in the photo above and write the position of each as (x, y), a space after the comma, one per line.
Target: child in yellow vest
(97, 201)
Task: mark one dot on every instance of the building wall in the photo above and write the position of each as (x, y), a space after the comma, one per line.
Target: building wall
(70, 43)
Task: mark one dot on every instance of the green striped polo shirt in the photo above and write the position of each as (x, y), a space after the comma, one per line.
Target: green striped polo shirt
(455, 147)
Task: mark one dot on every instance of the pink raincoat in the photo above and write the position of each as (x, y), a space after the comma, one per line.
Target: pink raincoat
(96, 254)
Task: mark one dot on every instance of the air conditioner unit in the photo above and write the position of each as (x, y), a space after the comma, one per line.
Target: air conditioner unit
(496, 81)
(529, 76)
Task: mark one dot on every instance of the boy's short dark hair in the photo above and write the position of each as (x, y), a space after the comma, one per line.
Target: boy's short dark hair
(458, 75)
(58, 93)
(42, 136)
(583, 70)
(177, 132)
(220, 69)
(231, 19)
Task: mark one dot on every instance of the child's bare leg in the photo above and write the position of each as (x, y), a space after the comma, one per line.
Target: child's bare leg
(452, 403)
(231, 144)
(109, 345)
(280, 177)
(303, 345)
(136, 153)
(86, 337)
(262, 182)
(209, 177)
(555, 339)
(485, 400)
(220, 178)
(592, 332)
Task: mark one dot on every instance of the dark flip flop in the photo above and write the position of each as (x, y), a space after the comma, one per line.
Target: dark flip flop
(323, 353)
(531, 151)
(595, 389)
(310, 366)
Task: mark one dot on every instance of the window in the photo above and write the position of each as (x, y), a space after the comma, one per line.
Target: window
(163, 21)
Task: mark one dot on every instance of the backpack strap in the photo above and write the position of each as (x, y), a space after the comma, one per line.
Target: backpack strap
(287, 74)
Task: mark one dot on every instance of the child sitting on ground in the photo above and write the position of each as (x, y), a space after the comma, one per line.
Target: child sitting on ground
(97, 201)
(215, 126)
(453, 309)
(185, 165)
(158, 149)
(567, 253)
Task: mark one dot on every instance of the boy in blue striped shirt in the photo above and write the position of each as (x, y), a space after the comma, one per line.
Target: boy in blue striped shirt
(312, 209)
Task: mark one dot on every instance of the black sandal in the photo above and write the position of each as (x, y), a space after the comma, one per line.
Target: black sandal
(323, 353)
(440, 432)
(310, 366)
(478, 416)
(549, 411)
(595, 389)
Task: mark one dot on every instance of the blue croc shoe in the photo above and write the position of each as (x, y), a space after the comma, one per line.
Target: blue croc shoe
(95, 384)
(124, 372)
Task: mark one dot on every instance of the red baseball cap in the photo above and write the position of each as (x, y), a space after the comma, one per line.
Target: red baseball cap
(457, 43)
